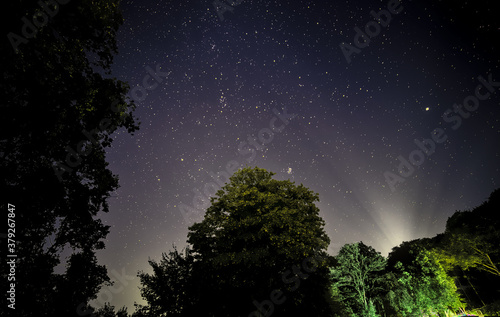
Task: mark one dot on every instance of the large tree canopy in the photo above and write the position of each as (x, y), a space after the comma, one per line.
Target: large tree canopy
(468, 250)
(256, 218)
(260, 250)
(471, 238)
(59, 110)
(255, 238)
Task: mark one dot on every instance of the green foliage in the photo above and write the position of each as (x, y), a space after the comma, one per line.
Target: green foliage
(411, 282)
(255, 218)
(258, 236)
(256, 229)
(357, 277)
(371, 311)
(339, 306)
(52, 90)
(468, 251)
(471, 238)
(423, 286)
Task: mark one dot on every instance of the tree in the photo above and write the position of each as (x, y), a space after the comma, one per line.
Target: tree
(82, 280)
(171, 289)
(468, 250)
(59, 111)
(471, 238)
(259, 238)
(423, 286)
(357, 277)
(109, 311)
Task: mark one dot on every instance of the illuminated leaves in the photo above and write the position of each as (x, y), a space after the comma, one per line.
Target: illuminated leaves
(356, 275)
(471, 238)
(423, 285)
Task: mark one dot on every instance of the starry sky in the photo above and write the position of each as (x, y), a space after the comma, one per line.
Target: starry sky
(294, 87)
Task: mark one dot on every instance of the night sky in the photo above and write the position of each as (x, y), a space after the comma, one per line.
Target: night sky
(270, 86)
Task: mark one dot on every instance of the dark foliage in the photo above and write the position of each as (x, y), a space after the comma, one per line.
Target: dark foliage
(260, 248)
(54, 88)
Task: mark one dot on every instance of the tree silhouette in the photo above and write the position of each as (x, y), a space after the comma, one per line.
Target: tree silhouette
(171, 289)
(109, 311)
(260, 250)
(58, 112)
